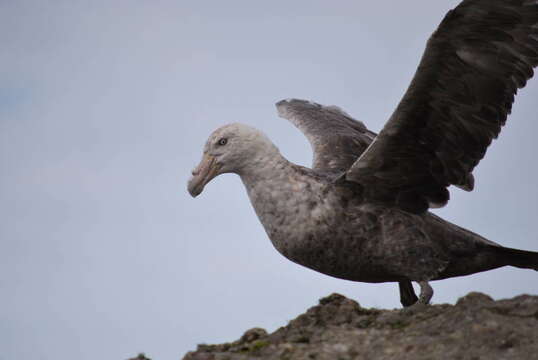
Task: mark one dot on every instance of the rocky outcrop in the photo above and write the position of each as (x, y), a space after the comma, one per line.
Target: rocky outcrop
(476, 327)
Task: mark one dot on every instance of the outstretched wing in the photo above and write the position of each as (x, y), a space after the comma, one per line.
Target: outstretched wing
(337, 139)
(462, 92)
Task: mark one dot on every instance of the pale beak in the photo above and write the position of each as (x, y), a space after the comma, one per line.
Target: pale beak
(202, 174)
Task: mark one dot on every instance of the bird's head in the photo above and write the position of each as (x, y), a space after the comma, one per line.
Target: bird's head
(232, 148)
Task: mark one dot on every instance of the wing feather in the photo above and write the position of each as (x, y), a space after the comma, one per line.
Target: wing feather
(456, 104)
(336, 138)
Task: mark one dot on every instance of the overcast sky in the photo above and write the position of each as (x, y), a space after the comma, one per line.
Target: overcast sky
(104, 109)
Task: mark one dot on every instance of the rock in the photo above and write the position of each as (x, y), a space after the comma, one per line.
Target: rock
(140, 356)
(477, 327)
(253, 334)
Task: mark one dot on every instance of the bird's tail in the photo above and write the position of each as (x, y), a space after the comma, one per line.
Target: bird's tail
(520, 258)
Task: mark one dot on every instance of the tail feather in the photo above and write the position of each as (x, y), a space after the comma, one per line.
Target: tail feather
(520, 258)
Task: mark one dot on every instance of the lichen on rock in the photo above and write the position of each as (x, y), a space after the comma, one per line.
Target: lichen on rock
(476, 327)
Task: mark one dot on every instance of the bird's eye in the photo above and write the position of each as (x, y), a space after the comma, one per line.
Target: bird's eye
(223, 141)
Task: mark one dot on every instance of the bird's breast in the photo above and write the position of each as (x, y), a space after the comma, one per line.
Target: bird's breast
(312, 226)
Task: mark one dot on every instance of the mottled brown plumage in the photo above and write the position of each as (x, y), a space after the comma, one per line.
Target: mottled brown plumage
(361, 213)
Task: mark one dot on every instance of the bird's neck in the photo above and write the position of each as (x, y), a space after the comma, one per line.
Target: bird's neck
(264, 169)
(277, 191)
(267, 183)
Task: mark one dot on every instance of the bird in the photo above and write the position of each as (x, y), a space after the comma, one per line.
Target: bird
(362, 211)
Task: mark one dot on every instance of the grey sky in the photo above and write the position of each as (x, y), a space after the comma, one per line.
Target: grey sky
(104, 108)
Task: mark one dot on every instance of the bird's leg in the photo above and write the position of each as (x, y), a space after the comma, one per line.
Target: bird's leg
(426, 293)
(407, 293)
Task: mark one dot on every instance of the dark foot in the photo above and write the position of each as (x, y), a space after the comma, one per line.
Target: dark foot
(407, 293)
(426, 293)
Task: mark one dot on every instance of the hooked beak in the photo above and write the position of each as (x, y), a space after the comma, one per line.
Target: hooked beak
(202, 174)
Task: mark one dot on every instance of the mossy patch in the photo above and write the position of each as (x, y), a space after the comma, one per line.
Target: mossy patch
(399, 325)
(259, 344)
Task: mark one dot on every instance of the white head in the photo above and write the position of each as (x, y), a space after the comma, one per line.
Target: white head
(234, 148)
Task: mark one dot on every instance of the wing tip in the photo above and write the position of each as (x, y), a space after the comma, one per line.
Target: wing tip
(292, 102)
(285, 107)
